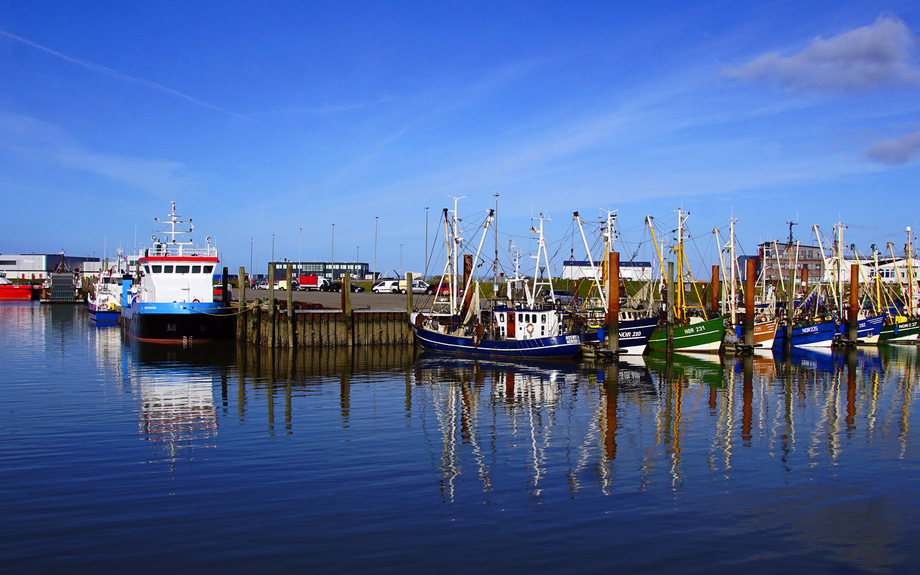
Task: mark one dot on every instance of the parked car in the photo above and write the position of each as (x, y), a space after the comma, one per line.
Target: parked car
(386, 286)
(418, 286)
(444, 289)
(562, 297)
(262, 285)
(337, 286)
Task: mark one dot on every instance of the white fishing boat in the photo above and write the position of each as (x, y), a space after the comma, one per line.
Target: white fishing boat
(516, 329)
(173, 301)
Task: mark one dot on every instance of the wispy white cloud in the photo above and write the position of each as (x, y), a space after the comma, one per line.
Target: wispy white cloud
(895, 151)
(861, 60)
(115, 74)
(46, 143)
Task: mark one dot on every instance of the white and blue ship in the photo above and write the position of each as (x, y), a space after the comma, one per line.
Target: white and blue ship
(173, 300)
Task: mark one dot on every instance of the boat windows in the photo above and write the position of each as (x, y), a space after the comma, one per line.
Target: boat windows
(208, 269)
(167, 269)
(147, 268)
(182, 269)
(196, 269)
(501, 317)
(543, 318)
(157, 269)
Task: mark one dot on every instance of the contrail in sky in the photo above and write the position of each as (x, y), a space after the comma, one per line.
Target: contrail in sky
(120, 76)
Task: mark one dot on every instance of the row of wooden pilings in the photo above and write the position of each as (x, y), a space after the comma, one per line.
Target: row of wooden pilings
(286, 324)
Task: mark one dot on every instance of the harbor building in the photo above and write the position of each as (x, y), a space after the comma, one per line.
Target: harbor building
(332, 270)
(581, 269)
(38, 267)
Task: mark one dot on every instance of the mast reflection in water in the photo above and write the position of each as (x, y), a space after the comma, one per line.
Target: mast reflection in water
(381, 461)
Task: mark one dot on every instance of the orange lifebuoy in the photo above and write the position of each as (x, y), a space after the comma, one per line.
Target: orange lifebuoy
(529, 328)
(763, 319)
(195, 300)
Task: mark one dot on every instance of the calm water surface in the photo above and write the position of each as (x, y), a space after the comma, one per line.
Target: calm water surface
(116, 457)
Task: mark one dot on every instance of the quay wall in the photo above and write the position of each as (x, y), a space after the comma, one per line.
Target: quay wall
(286, 323)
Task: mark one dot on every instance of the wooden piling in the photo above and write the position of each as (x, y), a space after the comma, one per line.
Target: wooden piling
(714, 296)
(271, 306)
(409, 292)
(346, 309)
(613, 302)
(290, 305)
(750, 278)
(853, 316)
(241, 305)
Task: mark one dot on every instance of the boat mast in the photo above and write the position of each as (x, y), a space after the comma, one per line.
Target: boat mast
(734, 278)
(910, 273)
(541, 249)
(724, 295)
(897, 273)
(172, 232)
(838, 255)
(595, 275)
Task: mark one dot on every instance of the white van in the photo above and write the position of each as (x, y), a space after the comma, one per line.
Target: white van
(386, 286)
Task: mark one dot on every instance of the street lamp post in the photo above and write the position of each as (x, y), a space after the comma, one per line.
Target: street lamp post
(374, 272)
(426, 241)
(299, 243)
(332, 254)
(250, 257)
(273, 247)
(400, 259)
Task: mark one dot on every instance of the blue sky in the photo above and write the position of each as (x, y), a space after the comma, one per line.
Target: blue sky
(275, 117)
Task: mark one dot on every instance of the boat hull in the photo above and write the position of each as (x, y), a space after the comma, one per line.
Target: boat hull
(704, 337)
(868, 330)
(178, 322)
(904, 331)
(106, 316)
(563, 346)
(764, 334)
(633, 336)
(818, 335)
(16, 293)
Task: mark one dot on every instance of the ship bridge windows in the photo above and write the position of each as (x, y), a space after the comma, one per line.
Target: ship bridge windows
(208, 269)
(156, 269)
(182, 269)
(196, 269)
(167, 269)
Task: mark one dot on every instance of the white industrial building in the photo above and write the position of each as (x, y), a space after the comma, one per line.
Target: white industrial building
(579, 270)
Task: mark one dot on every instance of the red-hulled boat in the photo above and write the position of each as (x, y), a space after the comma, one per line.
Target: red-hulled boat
(10, 291)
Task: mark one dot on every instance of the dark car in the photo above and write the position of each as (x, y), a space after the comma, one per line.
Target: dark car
(337, 286)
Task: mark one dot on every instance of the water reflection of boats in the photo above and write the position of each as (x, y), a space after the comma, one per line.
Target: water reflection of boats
(176, 386)
(821, 358)
(697, 368)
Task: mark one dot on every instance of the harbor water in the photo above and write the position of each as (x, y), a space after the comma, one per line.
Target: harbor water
(118, 457)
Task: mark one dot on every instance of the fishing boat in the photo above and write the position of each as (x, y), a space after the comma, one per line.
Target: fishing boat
(900, 330)
(13, 292)
(104, 301)
(902, 324)
(634, 326)
(804, 324)
(808, 334)
(458, 325)
(173, 300)
(764, 325)
(689, 333)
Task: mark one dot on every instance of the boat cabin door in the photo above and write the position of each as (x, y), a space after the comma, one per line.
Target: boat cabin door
(512, 328)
